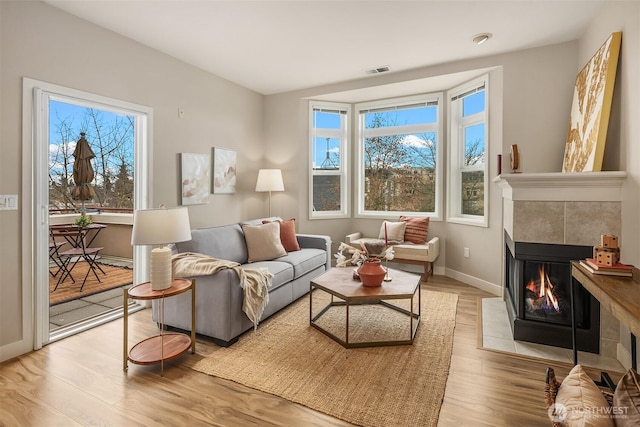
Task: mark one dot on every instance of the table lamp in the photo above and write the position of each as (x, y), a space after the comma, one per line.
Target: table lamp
(160, 227)
(269, 180)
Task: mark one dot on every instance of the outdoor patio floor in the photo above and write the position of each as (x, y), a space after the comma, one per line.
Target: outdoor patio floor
(68, 313)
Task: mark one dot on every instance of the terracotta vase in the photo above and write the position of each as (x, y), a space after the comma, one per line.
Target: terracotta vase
(371, 272)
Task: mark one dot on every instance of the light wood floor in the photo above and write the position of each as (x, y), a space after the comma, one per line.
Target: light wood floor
(80, 381)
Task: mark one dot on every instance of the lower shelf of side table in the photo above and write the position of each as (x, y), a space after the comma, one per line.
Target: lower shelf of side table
(159, 348)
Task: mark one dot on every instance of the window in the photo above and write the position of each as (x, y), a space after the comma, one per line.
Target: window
(398, 157)
(468, 198)
(329, 139)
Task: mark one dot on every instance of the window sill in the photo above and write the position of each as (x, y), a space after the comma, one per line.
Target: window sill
(475, 222)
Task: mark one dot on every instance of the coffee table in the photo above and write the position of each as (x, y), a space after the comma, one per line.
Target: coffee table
(347, 292)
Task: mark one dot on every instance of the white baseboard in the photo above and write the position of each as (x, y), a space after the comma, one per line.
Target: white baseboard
(492, 288)
(15, 349)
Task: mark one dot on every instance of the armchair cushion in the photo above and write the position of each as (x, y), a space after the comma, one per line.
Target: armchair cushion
(392, 230)
(416, 230)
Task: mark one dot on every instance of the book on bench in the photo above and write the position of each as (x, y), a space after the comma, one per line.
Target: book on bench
(617, 269)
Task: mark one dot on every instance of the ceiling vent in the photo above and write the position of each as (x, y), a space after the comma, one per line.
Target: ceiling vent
(378, 70)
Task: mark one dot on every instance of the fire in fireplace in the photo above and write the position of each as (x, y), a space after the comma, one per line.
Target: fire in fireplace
(541, 299)
(538, 286)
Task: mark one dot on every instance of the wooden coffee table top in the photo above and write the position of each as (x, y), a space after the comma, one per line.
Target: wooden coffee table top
(340, 282)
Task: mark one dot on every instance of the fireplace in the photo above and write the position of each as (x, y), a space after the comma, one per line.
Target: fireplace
(537, 292)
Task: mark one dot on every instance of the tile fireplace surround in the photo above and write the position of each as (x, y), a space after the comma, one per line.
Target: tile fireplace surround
(566, 209)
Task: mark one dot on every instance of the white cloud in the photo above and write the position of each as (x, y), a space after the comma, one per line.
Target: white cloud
(415, 141)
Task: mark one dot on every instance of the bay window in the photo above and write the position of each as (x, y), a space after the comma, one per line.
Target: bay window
(328, 183)
(467, 184)
(398, 157)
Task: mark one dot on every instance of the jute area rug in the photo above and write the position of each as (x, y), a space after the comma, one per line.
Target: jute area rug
(377, 386)
(115, 277)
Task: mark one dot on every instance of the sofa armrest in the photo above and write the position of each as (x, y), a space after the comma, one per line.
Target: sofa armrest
(316, 241)
(434, 248)
(351, 237)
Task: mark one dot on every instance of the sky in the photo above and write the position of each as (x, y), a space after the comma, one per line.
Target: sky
(74, 115)
(471, 105)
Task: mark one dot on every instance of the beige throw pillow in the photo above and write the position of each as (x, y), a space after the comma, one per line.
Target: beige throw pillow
(263, 241)
(626, 400)
(583, 403)
(395, 231)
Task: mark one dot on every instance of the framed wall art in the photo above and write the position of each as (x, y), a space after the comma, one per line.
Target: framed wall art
(590, 110)
(194, 178)
(224, 171)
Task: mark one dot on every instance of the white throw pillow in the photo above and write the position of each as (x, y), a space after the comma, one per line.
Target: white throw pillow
(263, 241)
(395, 230)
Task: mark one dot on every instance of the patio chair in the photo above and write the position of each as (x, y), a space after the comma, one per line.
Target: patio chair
(54, 247)
(76, 236)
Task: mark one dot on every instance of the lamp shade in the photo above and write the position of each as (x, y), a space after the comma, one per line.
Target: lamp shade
(269, 180)
(160, 226)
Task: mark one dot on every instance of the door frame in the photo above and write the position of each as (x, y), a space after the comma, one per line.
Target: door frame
(35, 184)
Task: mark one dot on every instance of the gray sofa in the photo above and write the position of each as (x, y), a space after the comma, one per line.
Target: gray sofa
(219, 297)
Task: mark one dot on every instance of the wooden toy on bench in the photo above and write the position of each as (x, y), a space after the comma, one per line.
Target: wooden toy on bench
(608, 252)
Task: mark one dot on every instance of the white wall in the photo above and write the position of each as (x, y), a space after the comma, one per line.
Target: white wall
(46, 44)
(623, 137)
(530, 96)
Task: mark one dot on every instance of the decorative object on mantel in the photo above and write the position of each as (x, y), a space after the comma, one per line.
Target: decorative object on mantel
(590, 109)
(499, 164)
(515, 158)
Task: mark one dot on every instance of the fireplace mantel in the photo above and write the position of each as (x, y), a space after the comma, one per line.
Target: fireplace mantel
(563, 187)
(561, 208)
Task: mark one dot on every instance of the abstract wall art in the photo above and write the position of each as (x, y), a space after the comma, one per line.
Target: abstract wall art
(195, 178)
(590, 110)
(224, 171)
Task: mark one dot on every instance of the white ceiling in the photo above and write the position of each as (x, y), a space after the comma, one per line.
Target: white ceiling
(279, 46)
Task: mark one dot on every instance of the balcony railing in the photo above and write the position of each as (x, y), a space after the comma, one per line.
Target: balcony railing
(115, 239)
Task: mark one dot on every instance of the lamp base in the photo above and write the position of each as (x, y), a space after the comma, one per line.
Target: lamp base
(160, 268)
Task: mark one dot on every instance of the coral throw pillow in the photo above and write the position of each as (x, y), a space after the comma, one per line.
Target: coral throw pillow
(263, 241)
(416, 230)
(288, 234)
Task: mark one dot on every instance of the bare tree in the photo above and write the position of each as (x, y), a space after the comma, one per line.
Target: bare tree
(111, 139)
(399, 170)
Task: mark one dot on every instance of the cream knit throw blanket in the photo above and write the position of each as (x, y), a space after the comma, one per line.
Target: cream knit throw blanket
(254, 282)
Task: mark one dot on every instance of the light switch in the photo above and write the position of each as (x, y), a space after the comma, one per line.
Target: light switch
(8, 202)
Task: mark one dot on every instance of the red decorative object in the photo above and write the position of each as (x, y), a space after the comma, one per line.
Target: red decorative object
(371, 272)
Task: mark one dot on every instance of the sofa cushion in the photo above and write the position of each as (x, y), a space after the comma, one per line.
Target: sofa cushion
(305, 260)
(225, 242)
(263, 241)
(416, 230)
(627, 395)
(582, 399)
(287, 234)
(282, 271)
(393, 231)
